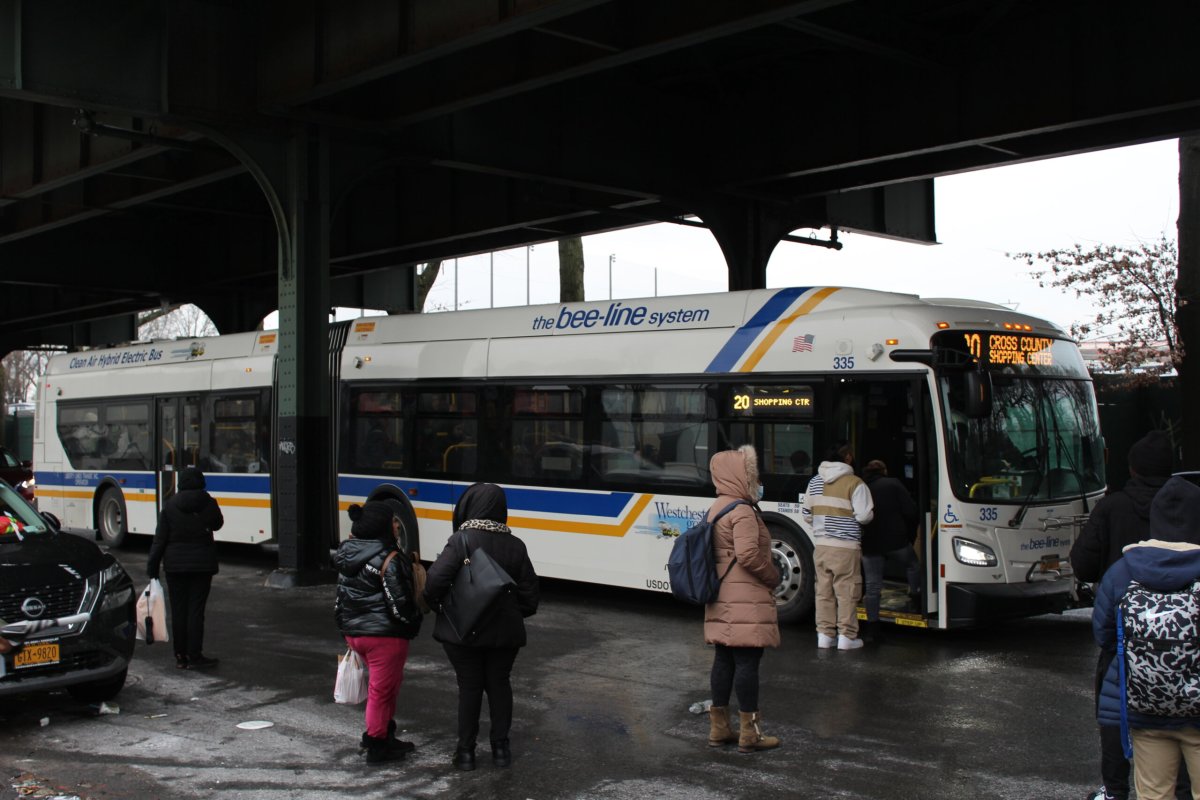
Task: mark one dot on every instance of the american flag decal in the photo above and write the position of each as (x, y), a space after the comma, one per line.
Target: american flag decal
(802, 344)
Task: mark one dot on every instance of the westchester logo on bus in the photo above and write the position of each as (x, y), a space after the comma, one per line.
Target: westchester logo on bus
(618, 315)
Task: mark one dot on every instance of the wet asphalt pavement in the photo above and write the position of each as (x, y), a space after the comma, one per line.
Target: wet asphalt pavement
(602, 696)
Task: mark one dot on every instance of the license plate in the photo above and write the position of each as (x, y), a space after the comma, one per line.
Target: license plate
(36, 655)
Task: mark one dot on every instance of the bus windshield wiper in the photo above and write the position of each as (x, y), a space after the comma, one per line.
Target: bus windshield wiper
(1043, 446)
(1016, 521)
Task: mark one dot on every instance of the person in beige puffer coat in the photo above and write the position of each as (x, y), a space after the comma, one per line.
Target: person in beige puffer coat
(743, 619)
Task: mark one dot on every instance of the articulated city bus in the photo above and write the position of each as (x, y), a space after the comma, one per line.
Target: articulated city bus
(599, 420)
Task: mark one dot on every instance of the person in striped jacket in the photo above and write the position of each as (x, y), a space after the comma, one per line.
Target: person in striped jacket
(837, 505)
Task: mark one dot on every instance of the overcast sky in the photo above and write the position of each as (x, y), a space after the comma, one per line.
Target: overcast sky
(1115, 196)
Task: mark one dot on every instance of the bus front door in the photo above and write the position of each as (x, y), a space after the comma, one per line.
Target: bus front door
(178, 441)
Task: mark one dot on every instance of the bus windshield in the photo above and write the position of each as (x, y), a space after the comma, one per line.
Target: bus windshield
(1039, 442)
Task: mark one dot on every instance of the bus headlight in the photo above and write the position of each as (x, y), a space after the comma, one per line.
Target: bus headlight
(974, 554)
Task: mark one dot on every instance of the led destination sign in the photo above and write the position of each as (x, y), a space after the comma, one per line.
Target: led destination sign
(790, 401)
(1010, 348)
(1013, 351)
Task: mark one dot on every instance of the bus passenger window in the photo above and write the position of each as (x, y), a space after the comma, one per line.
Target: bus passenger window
(446, 439)
(547, 433)
(377, 428)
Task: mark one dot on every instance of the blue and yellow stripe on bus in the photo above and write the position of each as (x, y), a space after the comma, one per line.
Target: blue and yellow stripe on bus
(766, 318)
(437, 501)
(142, 487)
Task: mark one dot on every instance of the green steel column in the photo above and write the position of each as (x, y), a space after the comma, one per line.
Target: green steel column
(303, 465)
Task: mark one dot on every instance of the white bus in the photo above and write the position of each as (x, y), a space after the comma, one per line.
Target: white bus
(599, 420)
(113, 427)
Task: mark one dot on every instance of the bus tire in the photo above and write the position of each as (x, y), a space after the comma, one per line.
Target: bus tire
(793, 556)
(410, 538)
(111, 519)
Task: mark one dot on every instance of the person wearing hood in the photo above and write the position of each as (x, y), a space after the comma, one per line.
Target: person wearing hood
(483, 659)
(376, 613)
(837, 504)
(1167, 562)
(743, 620)
(1117, 521)
(184, 546)
(888, 537)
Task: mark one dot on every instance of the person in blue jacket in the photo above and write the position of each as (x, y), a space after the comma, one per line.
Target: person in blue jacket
(1167, 562)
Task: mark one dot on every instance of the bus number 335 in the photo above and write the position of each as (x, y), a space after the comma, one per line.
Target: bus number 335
(843, 362)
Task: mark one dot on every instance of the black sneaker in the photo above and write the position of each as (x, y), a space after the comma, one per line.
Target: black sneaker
(201, 662)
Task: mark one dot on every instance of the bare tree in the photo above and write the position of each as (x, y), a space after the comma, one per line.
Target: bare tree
(427, 275)
(1134, 291)
(22, 371)
(182, 321)
(570, 269)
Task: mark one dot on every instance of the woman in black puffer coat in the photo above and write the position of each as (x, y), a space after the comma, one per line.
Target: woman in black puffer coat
(483, 660)
(183, 544)
(377, 614)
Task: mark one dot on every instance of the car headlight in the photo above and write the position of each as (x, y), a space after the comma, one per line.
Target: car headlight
(112, 572)
(110, 579)
(974, 554)
(116, 599)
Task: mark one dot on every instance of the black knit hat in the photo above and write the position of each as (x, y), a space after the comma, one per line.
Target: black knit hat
(191, 478)
(1175, 512)
(1151, 455)
(373, 520)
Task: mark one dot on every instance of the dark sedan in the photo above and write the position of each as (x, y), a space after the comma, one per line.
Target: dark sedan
(47, 576)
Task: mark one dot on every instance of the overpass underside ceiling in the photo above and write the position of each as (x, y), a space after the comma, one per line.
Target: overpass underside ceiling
(465, 126)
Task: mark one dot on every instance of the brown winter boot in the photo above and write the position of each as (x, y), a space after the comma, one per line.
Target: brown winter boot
(751, 739)
(720, 733)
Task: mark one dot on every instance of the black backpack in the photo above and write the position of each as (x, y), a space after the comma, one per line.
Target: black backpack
(692, 568)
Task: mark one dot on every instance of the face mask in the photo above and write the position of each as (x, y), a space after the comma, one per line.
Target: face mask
(760, 491)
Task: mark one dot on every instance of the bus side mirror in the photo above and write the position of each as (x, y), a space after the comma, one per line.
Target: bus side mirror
(979, 394)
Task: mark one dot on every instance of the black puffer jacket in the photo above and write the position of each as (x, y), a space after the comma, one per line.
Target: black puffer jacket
(503, 625)
(1120, 519)
(368, 604)
(895, 521)
(183, 541)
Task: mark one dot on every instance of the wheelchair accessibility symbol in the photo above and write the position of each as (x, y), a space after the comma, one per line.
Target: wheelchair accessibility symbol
(949, 517)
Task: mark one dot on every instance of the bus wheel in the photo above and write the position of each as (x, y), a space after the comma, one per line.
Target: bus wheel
(794, 594)
(110, 518)
(410, 539)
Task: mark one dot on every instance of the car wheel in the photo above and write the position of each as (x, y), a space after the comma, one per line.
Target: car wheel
(110, 518)
(99, 691)
(793, 558)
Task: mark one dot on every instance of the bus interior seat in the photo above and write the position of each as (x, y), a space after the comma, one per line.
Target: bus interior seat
(459, 458)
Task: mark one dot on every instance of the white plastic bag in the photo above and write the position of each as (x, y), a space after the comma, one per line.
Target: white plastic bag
(350, 687)
(152, 614)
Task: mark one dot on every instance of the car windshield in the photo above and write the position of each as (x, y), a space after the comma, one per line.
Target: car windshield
(1039, 442)
(17, 517)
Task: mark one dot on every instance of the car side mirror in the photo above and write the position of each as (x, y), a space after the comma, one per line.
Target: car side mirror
(27, 464)
(53, 520)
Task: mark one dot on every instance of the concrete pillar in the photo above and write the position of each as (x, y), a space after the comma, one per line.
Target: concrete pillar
(1187, 289)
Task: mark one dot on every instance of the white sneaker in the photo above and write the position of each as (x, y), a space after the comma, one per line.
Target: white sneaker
(825, 642)
(846, 643)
